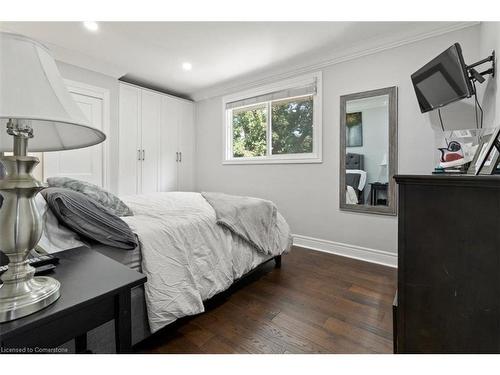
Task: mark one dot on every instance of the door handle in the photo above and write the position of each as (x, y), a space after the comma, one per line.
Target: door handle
(143, 155)
(180, 157)
(177, 157)
(139, 155)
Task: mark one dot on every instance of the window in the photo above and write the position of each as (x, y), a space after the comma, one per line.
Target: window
(250, 131)
(292, 126)
(279, 123)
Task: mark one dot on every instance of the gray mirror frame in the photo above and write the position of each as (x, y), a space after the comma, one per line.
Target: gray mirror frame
(391, 209)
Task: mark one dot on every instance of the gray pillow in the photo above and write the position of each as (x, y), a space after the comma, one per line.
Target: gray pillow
(88, 218)
(107, 199)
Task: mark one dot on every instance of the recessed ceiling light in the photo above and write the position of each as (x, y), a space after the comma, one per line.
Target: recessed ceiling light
(91, 25)
(187, 66)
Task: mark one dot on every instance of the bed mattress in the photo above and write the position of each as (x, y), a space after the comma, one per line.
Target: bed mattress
(133, 259)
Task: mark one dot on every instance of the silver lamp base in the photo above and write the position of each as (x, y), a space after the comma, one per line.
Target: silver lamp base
(21, 293)
(42, 292)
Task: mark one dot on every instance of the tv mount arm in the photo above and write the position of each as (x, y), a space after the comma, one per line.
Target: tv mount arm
(478, 76)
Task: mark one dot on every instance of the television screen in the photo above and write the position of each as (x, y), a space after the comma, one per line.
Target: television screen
(443, 80)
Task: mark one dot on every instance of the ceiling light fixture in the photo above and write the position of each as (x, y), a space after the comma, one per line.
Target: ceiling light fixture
(187, 66)
(91, 25)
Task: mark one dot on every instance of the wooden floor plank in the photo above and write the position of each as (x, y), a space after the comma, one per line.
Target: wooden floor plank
(316, 303)
(332, 342)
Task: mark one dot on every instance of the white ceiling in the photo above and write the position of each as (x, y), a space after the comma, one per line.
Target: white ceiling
(153, 52)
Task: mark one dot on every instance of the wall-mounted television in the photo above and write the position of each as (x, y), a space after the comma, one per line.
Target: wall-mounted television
(443, 80)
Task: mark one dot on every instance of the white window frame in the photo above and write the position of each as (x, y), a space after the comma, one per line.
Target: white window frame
(315, 157)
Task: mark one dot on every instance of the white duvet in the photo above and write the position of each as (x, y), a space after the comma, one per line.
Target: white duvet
(186, 256)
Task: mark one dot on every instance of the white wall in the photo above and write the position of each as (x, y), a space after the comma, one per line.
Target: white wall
(308, 194)
(490, 101)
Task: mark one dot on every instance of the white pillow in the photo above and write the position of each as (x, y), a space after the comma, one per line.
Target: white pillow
(55, 237)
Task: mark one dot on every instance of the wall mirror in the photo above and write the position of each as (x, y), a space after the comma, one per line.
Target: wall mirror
(368, 151)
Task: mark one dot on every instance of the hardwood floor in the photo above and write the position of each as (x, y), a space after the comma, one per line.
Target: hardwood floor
(316, 303)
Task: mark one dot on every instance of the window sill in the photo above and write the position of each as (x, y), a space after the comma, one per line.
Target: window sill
(311, 160)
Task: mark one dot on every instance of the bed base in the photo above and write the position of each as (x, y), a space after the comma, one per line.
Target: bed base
(277, 261)
(101, 339)
(213, 301)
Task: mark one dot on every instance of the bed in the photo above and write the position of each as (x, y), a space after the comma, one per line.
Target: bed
(355, 178)
(187, 257)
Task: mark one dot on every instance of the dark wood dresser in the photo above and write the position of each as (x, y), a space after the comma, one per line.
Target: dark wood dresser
(449, 264)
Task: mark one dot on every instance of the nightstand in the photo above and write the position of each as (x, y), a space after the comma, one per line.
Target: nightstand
(94, 290)
(376, 189)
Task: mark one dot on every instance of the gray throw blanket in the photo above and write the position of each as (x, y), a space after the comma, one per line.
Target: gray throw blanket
(253, 219)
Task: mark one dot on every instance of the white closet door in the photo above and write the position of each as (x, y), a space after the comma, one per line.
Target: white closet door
(83, 164)
(130, 140)
(150, 127)
(169, 150)
(186, 146)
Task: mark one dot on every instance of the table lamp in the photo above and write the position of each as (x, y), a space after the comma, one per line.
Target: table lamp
(36, 110)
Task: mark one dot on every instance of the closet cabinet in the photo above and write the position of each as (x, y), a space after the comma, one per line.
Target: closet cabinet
(156, 142)
(186, 137)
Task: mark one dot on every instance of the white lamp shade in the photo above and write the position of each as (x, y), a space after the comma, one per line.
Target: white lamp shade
(31, 88)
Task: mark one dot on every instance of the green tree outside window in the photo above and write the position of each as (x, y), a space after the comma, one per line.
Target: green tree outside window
(249, 132)
(292, 128)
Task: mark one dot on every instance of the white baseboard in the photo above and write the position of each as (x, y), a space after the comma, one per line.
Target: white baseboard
(351, 251)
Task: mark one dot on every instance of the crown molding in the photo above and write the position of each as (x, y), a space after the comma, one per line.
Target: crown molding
(278, 73)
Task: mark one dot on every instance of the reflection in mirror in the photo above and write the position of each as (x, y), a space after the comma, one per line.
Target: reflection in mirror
(368, 143)
(366, 152)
